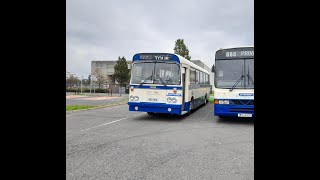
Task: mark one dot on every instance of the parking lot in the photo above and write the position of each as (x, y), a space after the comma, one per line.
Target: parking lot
(114, 143)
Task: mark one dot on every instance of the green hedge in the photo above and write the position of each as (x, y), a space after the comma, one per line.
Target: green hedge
(85, 90)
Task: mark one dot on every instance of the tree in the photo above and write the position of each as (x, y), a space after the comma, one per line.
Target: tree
(89, 79)
(101, 79)
(121, 71)
(181, 49)
(85, 81)
(72, 80)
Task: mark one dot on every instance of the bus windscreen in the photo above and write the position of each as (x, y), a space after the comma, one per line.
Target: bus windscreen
(230, 71)
(156, 73)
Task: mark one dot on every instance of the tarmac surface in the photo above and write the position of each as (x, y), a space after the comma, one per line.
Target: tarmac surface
(115, 143)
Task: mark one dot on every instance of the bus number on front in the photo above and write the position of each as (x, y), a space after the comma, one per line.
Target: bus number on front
(159, 57)
(231, 54)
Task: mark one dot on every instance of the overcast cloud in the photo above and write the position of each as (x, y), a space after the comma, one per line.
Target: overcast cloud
(107, 29)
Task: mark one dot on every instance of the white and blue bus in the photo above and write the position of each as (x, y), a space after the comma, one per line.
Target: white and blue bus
(167, 83)
(234, 82)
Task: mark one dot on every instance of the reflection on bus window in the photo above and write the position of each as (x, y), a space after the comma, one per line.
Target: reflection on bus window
(169, 73)
(142, 73)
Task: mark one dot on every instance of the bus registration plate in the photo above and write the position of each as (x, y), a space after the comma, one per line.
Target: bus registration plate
(244, 115)
(153, 99)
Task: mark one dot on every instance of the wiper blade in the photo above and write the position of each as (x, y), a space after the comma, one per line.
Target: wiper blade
(162, 80)
(235, 84)
(150, 77)
(250, 78)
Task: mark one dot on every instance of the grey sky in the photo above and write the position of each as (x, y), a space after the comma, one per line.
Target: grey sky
(107, 29)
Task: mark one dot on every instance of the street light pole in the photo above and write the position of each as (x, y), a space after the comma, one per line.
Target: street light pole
(94, 87)
(90, 83)
(81, 83)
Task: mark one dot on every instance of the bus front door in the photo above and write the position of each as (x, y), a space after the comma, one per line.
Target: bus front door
(184, 88)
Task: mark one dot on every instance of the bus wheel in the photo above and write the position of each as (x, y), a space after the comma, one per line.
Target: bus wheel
(205, 100)
(150, 113)
(190, 107)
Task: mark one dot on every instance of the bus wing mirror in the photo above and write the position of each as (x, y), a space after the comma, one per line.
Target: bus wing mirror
(212, 69)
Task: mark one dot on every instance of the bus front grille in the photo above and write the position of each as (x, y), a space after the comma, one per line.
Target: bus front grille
(241, 110)
(243, 102)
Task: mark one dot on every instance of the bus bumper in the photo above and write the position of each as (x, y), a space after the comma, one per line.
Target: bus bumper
(155, 107)
(233, 110)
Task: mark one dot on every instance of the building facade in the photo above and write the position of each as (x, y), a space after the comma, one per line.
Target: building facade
(106, 68)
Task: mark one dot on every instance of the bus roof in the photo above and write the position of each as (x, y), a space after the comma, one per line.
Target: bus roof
(174, 57)
(190, 63)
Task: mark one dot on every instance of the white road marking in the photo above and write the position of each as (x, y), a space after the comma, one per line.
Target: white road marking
(105, 124)
(110, 122)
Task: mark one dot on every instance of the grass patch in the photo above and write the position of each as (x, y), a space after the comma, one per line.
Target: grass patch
(211, 99)
(76, 107)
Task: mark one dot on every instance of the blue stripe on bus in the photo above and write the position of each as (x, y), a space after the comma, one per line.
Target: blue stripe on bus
(175, 58)
(186, 106)
(232, 99)
(155, 107)
(156, 87)
(172, 94)
(136, 57)
(154, 104)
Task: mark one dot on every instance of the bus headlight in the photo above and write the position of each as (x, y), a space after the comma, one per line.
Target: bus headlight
(169, 100)
(136, 98)
(131, 98)
(174, 100)
(223, 101)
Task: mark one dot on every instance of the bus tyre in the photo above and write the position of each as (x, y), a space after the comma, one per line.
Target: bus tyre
(191, 105)
(205, 100)
(150, 113)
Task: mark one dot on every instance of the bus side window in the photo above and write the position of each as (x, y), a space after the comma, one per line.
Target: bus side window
(192, 76)
(205, 78)
(201, 78)
(197, 77)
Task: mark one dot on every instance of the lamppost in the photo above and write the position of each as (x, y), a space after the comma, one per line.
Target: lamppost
(81, 82)
(90, 83)
(93, 79)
